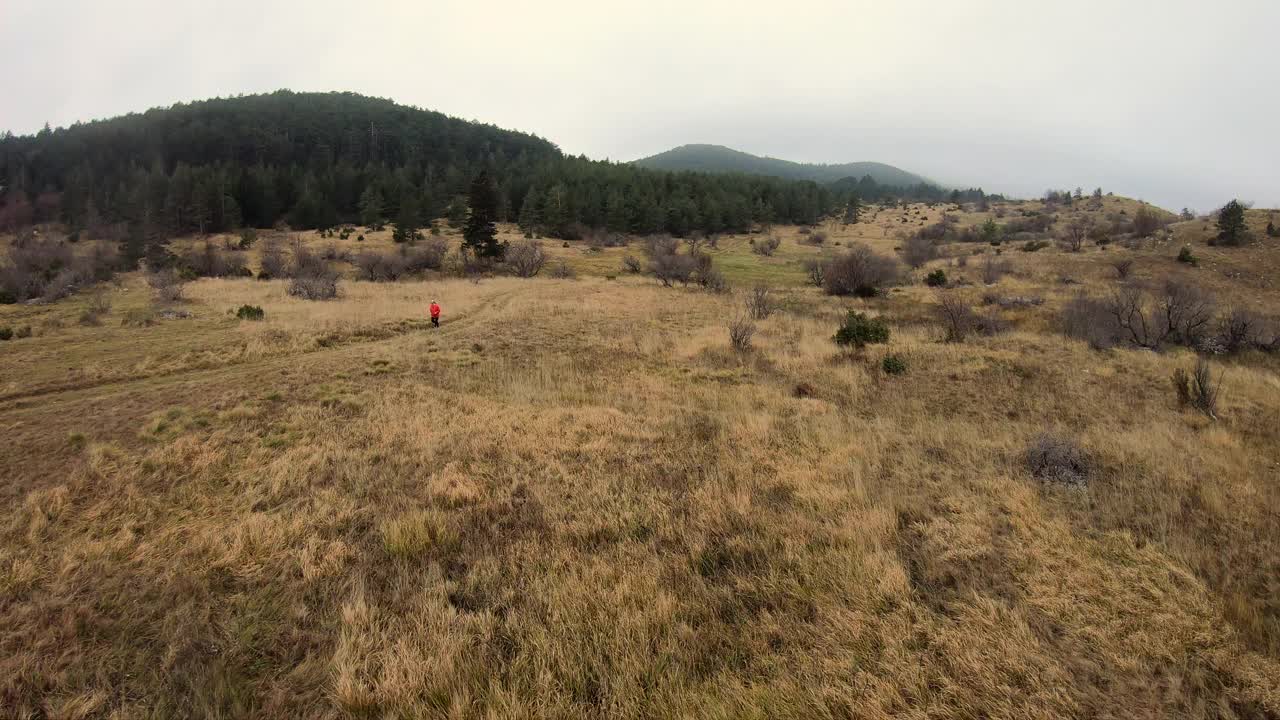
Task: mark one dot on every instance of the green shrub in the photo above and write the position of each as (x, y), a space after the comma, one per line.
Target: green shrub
(1034, 245)
(859, 330)
(1185, 256)
(251, 312)
(6, 333)
(893, 365)
(7, 298)
(937, 278)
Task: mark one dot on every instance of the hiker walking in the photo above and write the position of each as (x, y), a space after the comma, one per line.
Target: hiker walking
(435, 314)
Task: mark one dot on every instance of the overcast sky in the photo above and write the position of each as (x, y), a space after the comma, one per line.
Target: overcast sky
(1174, 101)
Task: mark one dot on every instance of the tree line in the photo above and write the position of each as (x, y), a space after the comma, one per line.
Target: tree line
(316, 160)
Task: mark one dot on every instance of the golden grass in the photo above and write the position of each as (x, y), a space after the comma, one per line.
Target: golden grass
(575, 500)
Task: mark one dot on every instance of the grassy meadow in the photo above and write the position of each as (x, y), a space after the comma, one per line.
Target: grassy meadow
(576, 499)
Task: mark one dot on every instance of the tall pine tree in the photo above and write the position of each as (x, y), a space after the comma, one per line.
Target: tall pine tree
(480, 235)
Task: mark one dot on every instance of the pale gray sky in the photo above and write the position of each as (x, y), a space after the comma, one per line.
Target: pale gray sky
(1175, 101)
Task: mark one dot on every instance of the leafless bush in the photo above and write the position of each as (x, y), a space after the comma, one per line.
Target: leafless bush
(1179, 313)
(1198, 389)
(273, 263)
(816, 270)
(561, 270)
(526, 258)
(859, 271)
(207, 261)
(99, 305)
(378, 267)
(671, 267)
(320, 287)
(1146, 222)
(1091, 320)
(1077, 231)
(427, 256)
(655, 245)
(167, 284)
(959, 319)
(766, 246)
(993, 269)
(1057, 459)
(760, 302)
(741, 330)
(632, 264)
(817, 237)
(34, 266)
(307, 264)
(1012, 301)
(1239, 330)
(918, 250)
(1123, 267)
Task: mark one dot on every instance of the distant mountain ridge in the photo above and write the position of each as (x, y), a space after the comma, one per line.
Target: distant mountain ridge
(717, 158)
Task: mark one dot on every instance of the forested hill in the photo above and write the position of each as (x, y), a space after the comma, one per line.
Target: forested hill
(717, 158)
(320, 159)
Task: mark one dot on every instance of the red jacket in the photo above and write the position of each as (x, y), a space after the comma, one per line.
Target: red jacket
(435, 310)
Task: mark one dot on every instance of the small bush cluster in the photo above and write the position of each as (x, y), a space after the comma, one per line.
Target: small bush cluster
(760, 302)
(47, 269)
(918, 250)
(168, 285)
(766, 246)
(207, 261)
(859, 330)
(959, 320)
(741, 330)
(1198, 389)
(937, 278)
(893, 365)
(1185, 256)
(251, 312)
(1057, 459)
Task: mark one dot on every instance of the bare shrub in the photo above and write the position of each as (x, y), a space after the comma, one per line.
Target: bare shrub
(1187, 312)
(1239, 330)
(741, 330)
(1146, 222)
(918, 250)
(273, 263)
(815, 269)
(670, 267)
(859, 271)
(427, 256)
(1076, 233)
(993, 269)
(98, 306)
(526, 258)
(632, 264)
(1057, 459)
(1198, 389)
(1091, 320)
(321, 287)
(561, 270)
(959, 319)
(817, 237)
(307, 264)
(760, 302)
(167, 284)
(35, 266)
(766, 246)
(206, 260)
(1123, 268)
(379, 267)
(655, 245)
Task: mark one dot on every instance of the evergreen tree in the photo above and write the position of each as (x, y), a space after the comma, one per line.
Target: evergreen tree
(372, 211)
(1231, 226)
(531, 212)
(852, 210)
(456, 213)
(480, 235)
(408, 220)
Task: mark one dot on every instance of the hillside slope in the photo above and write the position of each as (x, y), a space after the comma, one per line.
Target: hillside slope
(717, 158)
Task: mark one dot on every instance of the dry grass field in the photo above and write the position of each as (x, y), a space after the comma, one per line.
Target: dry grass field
(576, 499)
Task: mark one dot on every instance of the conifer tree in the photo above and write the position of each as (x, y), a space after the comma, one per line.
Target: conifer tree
(480, 235)
(372, 211)
(1231, 227)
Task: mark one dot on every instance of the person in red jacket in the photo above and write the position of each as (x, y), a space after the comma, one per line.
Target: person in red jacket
(435, 314)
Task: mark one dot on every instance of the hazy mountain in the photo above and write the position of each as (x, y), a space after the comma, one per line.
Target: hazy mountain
(717, 158)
